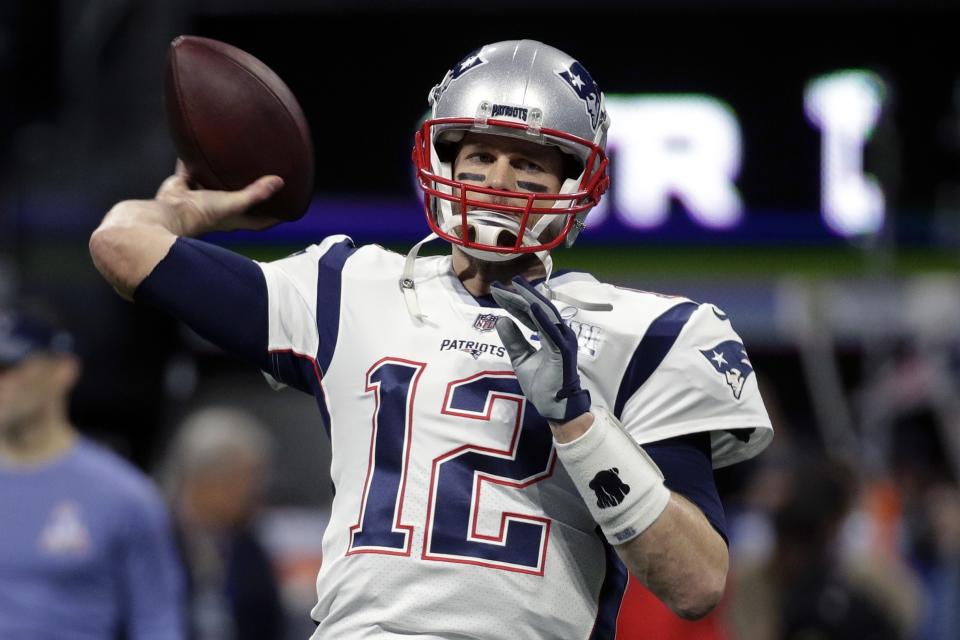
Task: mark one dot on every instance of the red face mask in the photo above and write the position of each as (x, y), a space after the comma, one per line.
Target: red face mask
(451, 206)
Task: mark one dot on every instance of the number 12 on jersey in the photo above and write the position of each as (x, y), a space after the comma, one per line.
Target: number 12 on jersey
(455, 505)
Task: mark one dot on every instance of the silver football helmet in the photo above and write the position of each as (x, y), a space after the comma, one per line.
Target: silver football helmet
(530, 91)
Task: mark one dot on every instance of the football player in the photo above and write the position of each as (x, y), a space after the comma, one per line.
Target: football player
(507, 439)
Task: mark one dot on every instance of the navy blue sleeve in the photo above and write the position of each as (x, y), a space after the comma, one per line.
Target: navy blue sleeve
(219, 294)
(687, 468)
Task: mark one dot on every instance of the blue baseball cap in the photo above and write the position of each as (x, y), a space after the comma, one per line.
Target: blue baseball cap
(23, 335)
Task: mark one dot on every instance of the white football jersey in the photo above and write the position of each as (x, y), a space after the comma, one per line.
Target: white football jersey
(452, 517)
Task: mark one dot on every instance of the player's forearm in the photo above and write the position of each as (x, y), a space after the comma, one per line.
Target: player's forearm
(132, 239)
(681, 559)
(670, 546)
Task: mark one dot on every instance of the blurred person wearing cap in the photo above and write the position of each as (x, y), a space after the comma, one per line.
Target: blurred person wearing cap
(215, 476)
(87, 548)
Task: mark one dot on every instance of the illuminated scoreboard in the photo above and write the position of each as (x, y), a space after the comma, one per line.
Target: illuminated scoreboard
(689, 149)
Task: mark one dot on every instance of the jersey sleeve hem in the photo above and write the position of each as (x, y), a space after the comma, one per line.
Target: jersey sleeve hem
(724, 451)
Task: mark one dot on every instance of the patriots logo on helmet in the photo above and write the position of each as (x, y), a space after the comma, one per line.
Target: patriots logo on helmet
(471, 61)
(579, 79)
(730, 360)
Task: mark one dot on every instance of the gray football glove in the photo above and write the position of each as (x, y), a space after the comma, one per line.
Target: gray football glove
(548, 376)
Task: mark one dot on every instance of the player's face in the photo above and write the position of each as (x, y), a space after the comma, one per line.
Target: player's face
(25, 389)
(508, 164)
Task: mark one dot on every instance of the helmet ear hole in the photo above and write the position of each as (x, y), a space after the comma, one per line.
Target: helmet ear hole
(447, 151)
(572, 167)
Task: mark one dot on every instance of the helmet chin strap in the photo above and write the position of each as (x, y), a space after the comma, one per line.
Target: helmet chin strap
(408, 284)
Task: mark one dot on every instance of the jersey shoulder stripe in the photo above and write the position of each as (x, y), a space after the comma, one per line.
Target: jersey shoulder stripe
(652, 349)
(329, 293)
(303, 292)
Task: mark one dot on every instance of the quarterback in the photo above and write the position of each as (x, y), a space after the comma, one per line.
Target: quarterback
(508, 440)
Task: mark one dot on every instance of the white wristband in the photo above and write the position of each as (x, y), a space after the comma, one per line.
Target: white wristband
(621, 484)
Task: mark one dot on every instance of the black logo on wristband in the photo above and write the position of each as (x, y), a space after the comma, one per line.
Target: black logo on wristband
(609, 488)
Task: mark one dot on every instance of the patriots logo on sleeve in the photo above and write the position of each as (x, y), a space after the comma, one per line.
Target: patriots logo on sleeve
(730, 360)
(578, 79)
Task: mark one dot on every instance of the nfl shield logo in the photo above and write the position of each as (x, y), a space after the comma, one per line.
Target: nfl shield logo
(485, 322)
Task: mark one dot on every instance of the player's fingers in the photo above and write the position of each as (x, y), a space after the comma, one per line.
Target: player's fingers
(548, 330)
(507, 299)
(516, 345)
(173, 184)
(180, 169)
(253, 194)
(533, 297)
(513, 304)
(262, 189)
(524, 287)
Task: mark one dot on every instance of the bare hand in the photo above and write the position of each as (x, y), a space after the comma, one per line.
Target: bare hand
(201, 210)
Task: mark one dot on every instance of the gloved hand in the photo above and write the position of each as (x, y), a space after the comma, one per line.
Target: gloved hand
(548, 376)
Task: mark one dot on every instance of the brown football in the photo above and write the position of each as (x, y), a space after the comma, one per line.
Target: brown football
(233, 120)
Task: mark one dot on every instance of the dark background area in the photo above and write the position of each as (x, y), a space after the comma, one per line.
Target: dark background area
(362, 76)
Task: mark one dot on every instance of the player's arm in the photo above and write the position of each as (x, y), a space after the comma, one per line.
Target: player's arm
(664, 539)
(681, 558)
(136, 235)
(263, 313)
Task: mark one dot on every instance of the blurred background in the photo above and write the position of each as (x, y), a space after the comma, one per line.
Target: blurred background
(795, 163)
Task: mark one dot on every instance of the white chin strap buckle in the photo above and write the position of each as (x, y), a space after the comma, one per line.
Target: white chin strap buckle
(487, 227)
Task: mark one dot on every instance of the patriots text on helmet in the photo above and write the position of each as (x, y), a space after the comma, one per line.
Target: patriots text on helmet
(509, 111)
